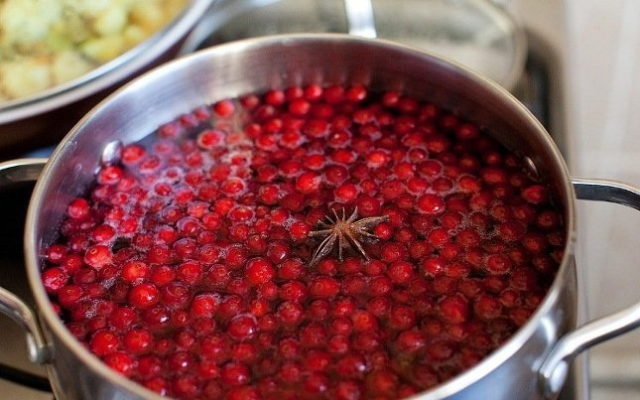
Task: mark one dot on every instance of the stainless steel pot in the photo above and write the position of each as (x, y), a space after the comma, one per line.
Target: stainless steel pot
(44, 118)
(480, 34)
(531, 365)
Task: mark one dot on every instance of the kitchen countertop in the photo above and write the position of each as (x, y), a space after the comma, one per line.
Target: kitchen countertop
(603, 105)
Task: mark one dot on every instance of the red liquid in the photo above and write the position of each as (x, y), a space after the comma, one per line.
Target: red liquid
(189, 266)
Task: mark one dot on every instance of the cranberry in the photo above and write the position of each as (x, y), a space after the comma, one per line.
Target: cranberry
(536, 194)
(97, 256)
(235, 374)
(78, 209)
(316, 382)
(293, 290)
(400, 272)
(454, 309)
(134, 271)
(243, 393)
(308, 182)
(259, 271)
(54, 279)
(392, 251)
(430, 204)
(498, 264)
(224, 108)
(324, 287)
(290, 313)
(138, 341)
(487, 307)
(410, 341)
(104, 342)
(120, 362)
(144, 295)
(205, 304)
(242, 327)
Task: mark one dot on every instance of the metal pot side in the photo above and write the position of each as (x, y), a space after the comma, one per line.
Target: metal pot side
(255, 65)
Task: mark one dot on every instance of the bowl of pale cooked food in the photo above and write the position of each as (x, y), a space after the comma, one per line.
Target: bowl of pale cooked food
(58, 58)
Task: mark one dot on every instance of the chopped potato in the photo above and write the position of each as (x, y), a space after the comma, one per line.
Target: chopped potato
(148, 15)
(133, 35)
(24, 77)
(110, 21)
(49, 42)
(68, 65)
(73, 29)
(103, 48)
(87, 8)
(23, 23)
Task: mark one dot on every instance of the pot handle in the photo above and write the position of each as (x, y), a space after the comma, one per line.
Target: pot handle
(554, 369)
(16, 171)
(360, 18)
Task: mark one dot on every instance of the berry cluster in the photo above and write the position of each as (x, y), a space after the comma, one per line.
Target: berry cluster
(188, 267)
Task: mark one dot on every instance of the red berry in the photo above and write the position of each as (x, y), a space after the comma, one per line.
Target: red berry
(210, 138)
(104, 343)
(110, 175)
(400, 272)
(243, 393)
(299, 231)
(299, 107)
(498, 264)
(290, 313)
(308, 182)
(134, 271)
(144, 295)
(97, 256)
(54, 279)
(316, 382)
(138, 341)
(132, 153)
(487, 307)
(259, 271)
(324, 287)
(346, 192)
(120, 362)
(410, 341)
(535, 194)
(274, 97)
(235, 374)
(224, 108)
(392, 251)
(205, 304)
(242, 327)
(431, 204)
(454, 309)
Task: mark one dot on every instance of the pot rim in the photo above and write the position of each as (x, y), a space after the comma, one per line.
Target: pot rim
(447, 388)
(109, 73)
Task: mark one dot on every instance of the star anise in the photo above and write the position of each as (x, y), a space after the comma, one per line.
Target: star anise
(345, 233)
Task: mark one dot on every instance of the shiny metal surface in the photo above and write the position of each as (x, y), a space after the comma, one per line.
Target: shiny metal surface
(16, 309)
(17, 171)
(360, 18)
(45, 117)
(554, 369)
(255, 65)
(476, 33)
(21, 170)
